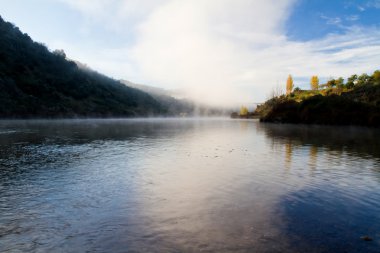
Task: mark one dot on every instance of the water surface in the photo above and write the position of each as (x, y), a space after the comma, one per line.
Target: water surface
(190, 185)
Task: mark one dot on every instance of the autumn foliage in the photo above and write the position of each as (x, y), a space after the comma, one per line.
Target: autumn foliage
(314, 83)
(289, 85)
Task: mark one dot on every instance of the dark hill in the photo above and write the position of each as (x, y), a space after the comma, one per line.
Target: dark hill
(35, 82)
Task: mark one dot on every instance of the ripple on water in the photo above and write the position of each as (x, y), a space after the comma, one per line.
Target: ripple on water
(187, 185)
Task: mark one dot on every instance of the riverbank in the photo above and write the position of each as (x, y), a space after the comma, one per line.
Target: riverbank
(251, 115)
(335, 106)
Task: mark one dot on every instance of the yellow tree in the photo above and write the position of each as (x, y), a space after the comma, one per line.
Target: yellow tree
(289, 85)
(243, 111)
(376, 77)
(314, 83)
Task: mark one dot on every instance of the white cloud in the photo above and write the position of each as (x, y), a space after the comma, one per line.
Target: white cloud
(352, 18)
(116, 15)
(220, 51)
(211, 48)
(332, 20)
(368, 5)
(373, 4)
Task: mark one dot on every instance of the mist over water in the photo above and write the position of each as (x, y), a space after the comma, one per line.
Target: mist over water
(185, 185)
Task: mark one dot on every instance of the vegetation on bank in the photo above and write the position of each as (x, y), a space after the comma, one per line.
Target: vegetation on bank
(35, 82)
(354, 102)
(244, 113)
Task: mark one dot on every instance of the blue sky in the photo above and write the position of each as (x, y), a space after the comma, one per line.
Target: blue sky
(313, 19)
(218, 50)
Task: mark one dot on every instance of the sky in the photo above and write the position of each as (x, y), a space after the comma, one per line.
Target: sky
(217, 51)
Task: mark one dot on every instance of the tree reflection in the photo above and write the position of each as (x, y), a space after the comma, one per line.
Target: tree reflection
(288, 155)
(313, 154)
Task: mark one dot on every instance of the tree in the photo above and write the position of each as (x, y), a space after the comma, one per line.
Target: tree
(331, 83)
(314, 82)
(289, 85)
(351, 81)
(364, 79)
(60, 52)
(376, 77)
(339, 82)
(276, 92)
(243, 111)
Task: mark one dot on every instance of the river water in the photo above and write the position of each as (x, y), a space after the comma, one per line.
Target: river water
(187, 185)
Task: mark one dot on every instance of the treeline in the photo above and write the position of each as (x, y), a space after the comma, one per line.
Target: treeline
(354, 102)
(339, 83)
(354, 81)
(35, 82)
(179, 107)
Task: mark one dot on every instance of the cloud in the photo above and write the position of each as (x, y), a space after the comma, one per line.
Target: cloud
(352, 18)
(373, 4)
(220, 51)
(368, 5)
(116, 15)
(206, 46)
(332, 21)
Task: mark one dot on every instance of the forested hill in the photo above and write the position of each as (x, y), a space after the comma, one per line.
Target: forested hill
(35, 82)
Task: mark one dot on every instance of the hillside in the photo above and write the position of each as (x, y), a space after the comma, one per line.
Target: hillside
(175, 106)
(148, 89)
(35, 82)
(351, 104)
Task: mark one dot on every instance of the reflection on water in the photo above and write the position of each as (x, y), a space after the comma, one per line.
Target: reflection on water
(167, 185)
(313, 154)
(339, 201)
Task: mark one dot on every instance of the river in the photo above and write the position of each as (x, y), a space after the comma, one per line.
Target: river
(187, 185)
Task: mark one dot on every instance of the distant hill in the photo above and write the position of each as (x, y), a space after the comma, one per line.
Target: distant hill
(35, 82)
(148, 89)
(174, 103)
